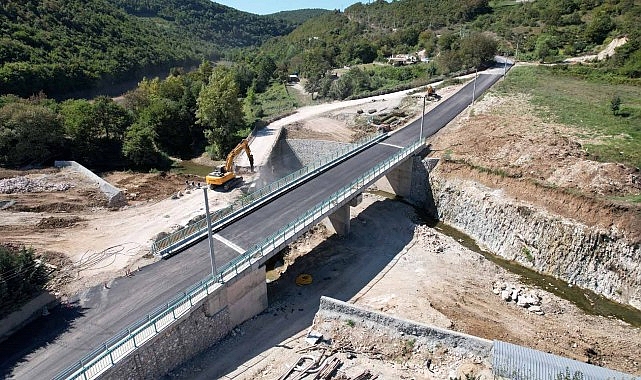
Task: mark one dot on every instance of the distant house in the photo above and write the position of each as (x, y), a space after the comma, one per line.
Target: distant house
(402, 59)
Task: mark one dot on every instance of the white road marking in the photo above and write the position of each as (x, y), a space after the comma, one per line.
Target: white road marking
(229, 243)
(395, 146)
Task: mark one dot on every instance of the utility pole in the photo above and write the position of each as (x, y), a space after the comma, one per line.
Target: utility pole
(209, 234)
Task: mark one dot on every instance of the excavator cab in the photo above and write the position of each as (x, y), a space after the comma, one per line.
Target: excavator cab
(224, 176)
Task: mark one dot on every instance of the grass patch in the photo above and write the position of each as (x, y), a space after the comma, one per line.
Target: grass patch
(575, 98)
(276, 100)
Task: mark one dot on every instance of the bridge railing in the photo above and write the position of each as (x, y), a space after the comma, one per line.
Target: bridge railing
(195, 230)
(128, 340)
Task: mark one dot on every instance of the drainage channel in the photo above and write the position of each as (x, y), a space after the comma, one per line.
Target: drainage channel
(586, 300)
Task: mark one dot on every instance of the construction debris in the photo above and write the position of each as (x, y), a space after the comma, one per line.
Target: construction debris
(29, 185)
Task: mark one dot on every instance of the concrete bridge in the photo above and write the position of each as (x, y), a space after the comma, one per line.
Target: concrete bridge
(145, 340)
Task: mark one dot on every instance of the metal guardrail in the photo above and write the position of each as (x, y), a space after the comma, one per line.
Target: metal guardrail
(118, 347)
(197, 230)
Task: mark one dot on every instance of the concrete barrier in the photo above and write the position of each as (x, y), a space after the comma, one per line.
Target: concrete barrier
(430, 335)
(115, 196)
(27, 313)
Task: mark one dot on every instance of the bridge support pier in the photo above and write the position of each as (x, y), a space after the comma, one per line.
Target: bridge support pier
(339, 221)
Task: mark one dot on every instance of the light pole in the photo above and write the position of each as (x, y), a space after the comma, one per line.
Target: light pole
(476, 75)
(211, 239)
(420, 135)
(505, 65)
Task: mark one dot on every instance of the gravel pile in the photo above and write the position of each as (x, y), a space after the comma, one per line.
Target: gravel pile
(29, 185)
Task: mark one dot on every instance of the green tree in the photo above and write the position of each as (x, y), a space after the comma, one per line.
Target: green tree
(615, 104)
(219, 111)
(30, 134)
(477, 49)
(597, 30)
(545, 46)
(21, 277)
(80, 127)
(265, 68)
(139, 147)
(111, 118)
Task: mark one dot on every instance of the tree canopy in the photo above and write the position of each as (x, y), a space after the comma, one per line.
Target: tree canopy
(60, 47)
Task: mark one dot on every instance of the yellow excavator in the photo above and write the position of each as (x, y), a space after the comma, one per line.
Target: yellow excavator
(431, 93)
(225, 177)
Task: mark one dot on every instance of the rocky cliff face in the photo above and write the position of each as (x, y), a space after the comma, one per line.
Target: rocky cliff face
(602, 260)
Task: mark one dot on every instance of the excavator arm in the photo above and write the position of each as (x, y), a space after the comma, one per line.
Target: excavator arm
(225, 176)
(243, 145)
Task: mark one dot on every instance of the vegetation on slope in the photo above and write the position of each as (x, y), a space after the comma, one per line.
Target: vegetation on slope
(21, 277)
(63, 46)
(608, 114)
(297, 17)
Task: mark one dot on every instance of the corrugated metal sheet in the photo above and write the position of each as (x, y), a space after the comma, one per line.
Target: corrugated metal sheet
(520, 363)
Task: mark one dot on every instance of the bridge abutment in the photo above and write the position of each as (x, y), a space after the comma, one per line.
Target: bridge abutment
(203, 326)
(410, 181)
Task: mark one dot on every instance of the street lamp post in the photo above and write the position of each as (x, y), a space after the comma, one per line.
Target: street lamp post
(209, 234)
(476, 75)
(420, 135)
(505, 65)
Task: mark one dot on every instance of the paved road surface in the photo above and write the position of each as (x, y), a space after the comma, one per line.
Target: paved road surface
(51, 344)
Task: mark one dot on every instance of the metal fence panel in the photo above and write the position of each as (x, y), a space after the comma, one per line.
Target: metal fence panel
(521, 363)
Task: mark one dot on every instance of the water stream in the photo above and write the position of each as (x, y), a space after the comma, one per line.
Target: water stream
(586, 300)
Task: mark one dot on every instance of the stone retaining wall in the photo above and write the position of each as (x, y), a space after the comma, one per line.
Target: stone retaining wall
(308, 151)
(207, 322)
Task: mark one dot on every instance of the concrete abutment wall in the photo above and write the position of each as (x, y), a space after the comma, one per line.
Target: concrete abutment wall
(230, 305)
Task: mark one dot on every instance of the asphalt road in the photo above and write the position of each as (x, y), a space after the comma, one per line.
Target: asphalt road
(49, 345)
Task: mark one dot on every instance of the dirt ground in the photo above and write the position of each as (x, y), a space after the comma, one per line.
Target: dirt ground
(88, 242)
(390, 263)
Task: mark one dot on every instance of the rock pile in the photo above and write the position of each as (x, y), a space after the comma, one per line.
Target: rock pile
(523, 297)
(29, 185)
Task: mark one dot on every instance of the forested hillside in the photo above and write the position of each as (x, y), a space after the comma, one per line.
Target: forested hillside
(299, 16)
(544, 30)
(223, 26)
(58, 46)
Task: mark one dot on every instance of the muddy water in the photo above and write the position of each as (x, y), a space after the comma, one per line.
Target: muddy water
(188, 167)
(586, 300)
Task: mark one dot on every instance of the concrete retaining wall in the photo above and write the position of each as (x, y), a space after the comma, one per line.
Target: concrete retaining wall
(208, 322)
(429, 335)
(116, 198)
(27, 313)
